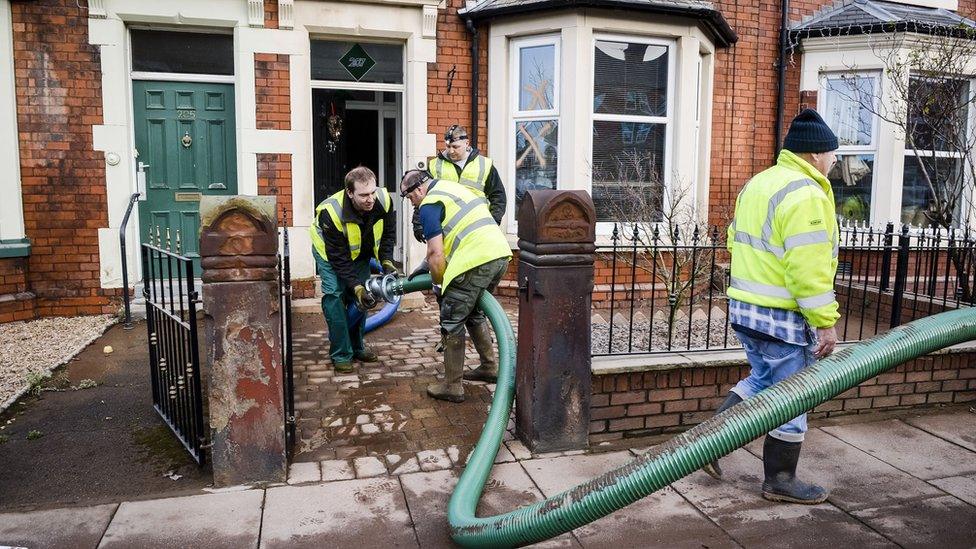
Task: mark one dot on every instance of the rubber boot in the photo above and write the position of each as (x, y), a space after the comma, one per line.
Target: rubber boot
(488, 370)
(779, 464)
(451, 389)
(712, 468)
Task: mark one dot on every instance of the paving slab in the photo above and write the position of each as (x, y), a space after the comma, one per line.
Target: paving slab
(934, 522)
(79, 527)
(508, 488)
(959, 428)
(299, 473)
(908, 448)
(231, 519)
(855, 479)
(352, 513)
(662, 519)
(963, 487)
(735, 504)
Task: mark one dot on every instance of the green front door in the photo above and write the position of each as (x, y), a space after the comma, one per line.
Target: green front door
(185, 142)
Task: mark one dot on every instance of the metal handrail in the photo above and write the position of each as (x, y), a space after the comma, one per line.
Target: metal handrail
(125, 270)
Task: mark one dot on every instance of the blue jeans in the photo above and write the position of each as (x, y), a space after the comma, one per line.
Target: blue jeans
(772, 362)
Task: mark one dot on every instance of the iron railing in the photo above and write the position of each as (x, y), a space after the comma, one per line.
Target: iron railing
(127, 323)
(663, 290)
(174, 358)
(284, 285)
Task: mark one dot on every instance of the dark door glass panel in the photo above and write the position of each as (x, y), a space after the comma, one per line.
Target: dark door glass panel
(182, 52)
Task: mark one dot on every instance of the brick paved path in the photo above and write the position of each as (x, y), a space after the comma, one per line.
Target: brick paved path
(382, 408)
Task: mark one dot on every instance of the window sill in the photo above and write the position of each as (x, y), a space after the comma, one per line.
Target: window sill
(14, 248)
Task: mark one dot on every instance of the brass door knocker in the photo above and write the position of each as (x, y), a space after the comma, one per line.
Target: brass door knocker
(186, 140)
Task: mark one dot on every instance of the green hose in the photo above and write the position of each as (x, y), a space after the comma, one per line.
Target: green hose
(686, 452)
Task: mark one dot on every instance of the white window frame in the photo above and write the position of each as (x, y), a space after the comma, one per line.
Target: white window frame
(516, 116)
(606, 227)
(851, 150)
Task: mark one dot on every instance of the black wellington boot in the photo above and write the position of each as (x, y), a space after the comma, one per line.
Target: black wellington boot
(779, 464)
(712, 468)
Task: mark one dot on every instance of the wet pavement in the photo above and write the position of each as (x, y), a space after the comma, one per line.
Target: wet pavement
(896, 481)
(382, 408)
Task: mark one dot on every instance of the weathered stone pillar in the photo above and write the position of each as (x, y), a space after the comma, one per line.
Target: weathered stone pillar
(238, 249)
(556, 231)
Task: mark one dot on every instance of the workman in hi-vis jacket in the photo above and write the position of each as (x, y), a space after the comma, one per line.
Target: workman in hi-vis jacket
(467, 254)
(351, 227)
(784, 242)
(461, 163)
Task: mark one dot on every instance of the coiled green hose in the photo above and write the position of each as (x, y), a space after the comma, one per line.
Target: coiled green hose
(686, 452)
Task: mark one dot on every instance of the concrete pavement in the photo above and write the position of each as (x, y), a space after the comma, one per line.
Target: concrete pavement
(903, 482)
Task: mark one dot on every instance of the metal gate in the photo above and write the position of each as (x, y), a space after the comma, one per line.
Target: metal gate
(284, 284)
(174, 358)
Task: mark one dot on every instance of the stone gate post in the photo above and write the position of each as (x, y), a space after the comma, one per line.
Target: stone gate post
(238, 249)
(557, 230)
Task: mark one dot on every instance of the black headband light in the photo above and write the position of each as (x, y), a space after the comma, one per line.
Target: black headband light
(454, 133)
(424, 178)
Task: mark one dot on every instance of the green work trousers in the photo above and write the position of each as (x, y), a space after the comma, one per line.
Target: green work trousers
(344, 340)
(459, 304)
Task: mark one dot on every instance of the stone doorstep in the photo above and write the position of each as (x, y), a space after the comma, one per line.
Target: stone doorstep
(626, 364)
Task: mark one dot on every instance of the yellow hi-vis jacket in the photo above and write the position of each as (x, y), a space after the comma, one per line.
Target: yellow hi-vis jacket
(333, 205)
(473, 176)
(471, 236)
(784, 241)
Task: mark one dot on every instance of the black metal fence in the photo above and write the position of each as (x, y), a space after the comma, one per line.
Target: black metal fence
(174, 358)
(284, 285)
(663, 290)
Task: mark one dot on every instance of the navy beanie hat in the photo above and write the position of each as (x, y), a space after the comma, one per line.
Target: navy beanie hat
(809, 134)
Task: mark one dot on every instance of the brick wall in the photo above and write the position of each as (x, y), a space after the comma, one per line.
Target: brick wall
(16, 302)
(649, 403)
(274, 178)
(744, 101)
(59, 98)
(270, 14)
(272, 91)
(454, 51)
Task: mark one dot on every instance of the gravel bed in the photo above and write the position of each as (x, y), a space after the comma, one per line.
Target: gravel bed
(36, 347)
(716, 337)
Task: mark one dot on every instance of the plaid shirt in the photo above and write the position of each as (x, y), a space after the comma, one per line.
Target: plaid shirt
(788, 326)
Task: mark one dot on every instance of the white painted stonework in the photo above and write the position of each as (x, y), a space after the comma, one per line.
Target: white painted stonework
(11, 207)
(390, 20)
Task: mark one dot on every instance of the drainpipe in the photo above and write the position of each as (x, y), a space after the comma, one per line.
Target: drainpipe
(784, 34)
(475, 78)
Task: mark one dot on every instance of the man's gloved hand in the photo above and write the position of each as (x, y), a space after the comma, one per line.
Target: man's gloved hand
(364, 300)
(390, 268)
(423, 268)
(436, 288)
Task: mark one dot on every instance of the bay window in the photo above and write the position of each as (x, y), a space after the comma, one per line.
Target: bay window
(935, 185)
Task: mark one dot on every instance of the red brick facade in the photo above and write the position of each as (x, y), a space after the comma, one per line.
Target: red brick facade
(649, 403)
(59, 98)
(274, 178)
(272, 91)
(16, 303)
(270, 14)
(444, 108)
